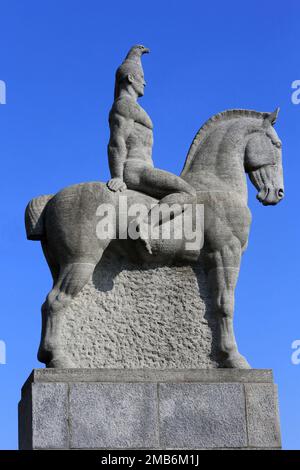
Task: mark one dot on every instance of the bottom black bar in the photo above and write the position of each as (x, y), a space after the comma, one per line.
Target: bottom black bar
(138, 458)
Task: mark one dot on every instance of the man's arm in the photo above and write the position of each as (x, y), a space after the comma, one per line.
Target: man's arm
(120, 129)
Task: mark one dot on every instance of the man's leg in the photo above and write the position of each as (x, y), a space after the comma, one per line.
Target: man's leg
(172, 191)
(167, 187)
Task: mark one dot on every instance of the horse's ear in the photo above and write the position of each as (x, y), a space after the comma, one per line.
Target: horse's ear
(272, 117)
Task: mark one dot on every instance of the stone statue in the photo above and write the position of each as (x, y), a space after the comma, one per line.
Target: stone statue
(227, 146)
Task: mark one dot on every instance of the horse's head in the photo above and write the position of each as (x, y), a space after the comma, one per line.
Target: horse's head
(263, 161)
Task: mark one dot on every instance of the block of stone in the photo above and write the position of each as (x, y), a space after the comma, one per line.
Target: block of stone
(262, 415)
(149, 409)
(118, 415)
(197, 416)
(43, 416)
(151, 375)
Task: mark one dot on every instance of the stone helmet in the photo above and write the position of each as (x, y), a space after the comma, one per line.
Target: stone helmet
(131, 65)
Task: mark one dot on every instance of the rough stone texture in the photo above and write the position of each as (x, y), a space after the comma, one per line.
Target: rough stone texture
(202, 415)
(262, 415)
(166, 409)
(44, 424)
(122, 319)
(113, 415)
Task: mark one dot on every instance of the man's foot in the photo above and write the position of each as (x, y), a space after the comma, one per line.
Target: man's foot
(60, 362)
(142, 229)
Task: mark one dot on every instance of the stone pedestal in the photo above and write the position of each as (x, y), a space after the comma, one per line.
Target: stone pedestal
(149, 409)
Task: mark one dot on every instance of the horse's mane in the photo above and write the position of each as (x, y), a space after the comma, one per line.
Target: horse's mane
(206, 128)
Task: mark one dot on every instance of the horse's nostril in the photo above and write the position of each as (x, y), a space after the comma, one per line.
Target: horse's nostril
(280, 193)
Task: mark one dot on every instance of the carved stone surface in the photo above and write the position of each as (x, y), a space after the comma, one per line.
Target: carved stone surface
(130, 316)
(149, 409)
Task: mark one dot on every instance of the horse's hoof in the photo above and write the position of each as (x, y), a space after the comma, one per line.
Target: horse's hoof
(60, 363)
(43, 356)
(236, 361)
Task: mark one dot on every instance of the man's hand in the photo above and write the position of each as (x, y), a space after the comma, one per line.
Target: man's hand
(116, 184)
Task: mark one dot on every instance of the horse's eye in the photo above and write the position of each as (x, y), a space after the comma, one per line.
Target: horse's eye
(278, 145)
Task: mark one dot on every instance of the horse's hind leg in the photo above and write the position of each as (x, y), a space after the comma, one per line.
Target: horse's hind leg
(70, 281)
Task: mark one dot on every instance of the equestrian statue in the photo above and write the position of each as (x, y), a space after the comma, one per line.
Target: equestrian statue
(227, 147)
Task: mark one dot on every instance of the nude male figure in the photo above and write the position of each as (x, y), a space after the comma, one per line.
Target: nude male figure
(131, 141)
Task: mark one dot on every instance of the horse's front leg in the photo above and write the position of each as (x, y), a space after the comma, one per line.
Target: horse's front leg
(223, 275)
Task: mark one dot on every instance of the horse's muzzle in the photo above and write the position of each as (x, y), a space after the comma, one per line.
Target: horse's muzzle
(270, 196)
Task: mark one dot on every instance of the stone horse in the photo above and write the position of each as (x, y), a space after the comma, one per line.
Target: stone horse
(227, 146)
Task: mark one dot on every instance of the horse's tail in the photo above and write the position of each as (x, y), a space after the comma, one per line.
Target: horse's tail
(34, 217)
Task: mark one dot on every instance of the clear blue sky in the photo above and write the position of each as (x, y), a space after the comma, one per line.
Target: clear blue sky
(58, 59)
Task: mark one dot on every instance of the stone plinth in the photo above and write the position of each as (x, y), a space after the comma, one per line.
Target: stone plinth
(149, 409)
(132, 316)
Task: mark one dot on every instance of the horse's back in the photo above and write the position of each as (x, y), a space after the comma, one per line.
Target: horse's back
(74, 212)
(71, 219)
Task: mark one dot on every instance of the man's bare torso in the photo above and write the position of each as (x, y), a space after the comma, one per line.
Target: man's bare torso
(138, 129)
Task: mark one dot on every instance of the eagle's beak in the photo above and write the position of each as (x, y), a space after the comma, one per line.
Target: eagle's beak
(146, 50)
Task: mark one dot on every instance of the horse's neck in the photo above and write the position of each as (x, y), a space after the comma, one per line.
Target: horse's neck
(218, 163)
